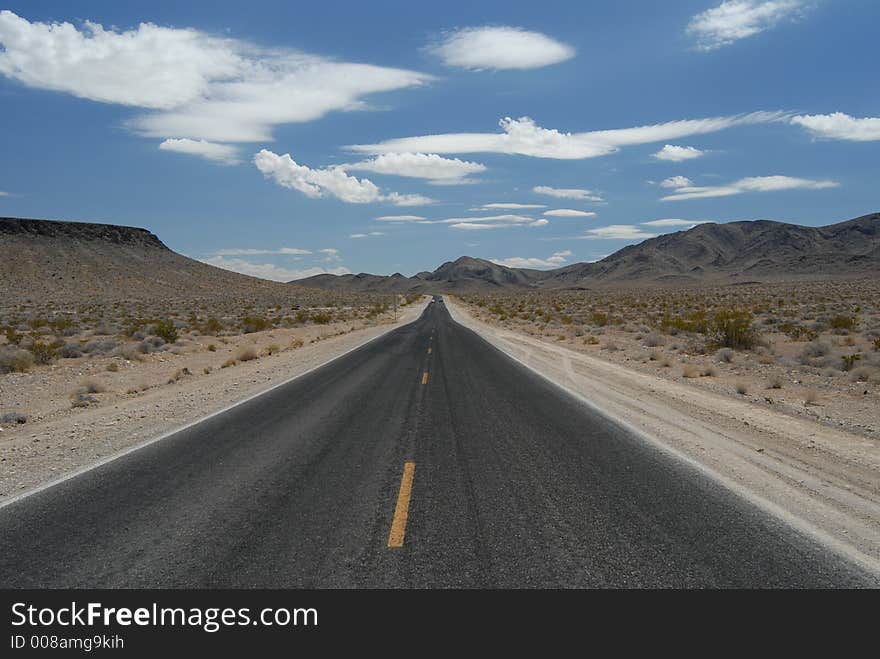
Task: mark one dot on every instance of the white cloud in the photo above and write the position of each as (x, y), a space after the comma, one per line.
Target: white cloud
(3, 194)
(674, 153)
(568, 212)
(674, 223)
(270, 270)
(566, 193)
(491, 222)
(508, 206)
(500, 48)
(524, 137)
(733, 20)
(554, 261)
(407, 199)
(250, 252)
(400, 218)
(619, 232)
(358, 235)
(840, 126)
(750, 184)
(676, 182)
(193, 84)
(477, 226)
(315, 183)
(420, 165)
(223, 153)
(366, 235)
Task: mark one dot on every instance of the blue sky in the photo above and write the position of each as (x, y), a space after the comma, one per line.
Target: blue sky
(269, 138)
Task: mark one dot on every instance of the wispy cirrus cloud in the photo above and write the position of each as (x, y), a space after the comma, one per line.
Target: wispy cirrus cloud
(401, 218)
(750, 184)
(332, 181)
(251, 252)
(674, 222)
(525, 137)
(505, 205)
(840, 126)
(628, 232)
(734, 20)
(498, 48)
(568, 212)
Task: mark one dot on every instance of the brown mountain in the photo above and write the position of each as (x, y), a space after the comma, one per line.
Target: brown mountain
(81, 261)
(706, 254)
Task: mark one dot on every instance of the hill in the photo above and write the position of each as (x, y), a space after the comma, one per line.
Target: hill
(760, 250)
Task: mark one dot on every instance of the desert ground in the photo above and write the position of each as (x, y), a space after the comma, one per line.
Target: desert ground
(78, 385)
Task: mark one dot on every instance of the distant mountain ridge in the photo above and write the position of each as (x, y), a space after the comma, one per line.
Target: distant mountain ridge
(706, 254)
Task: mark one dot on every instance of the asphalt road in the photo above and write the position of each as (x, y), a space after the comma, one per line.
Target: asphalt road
(514, 484)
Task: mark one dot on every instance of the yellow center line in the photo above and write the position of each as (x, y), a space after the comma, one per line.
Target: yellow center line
(401, 511)
(425, 377)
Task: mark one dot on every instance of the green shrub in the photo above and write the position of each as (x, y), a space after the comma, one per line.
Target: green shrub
(843, 322)
(732, 328)
(166, 331)
(321, 318)
(251, 324)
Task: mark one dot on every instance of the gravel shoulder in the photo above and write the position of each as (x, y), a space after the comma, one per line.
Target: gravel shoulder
(144, 400)
(822, 480)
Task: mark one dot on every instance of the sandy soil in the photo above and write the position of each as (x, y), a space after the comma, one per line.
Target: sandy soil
(144, 399)
(825, 481)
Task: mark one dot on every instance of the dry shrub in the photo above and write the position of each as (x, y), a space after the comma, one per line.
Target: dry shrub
(246, 353)
(811, 397)
(690, 371)
(742, 388)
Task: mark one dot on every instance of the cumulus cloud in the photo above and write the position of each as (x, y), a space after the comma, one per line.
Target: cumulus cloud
(223, 153)
(733, 20)
(524, 137)
(674, 153)
(430, 166)
(840, 126)
(566, 193)
(568, 212)
(194, 85)
(619, 232)
(500, 48)
(270, 270)
(333, 181)
(750, 184)
(676, 182)
(661, 224)
(554, 261)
